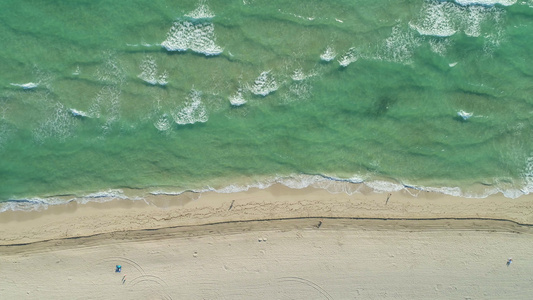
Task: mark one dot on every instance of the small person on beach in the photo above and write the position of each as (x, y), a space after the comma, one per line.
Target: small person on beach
(118, 269)
(509, 261)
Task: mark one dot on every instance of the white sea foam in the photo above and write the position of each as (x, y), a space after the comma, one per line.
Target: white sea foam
(399, 46)
(328, 54)
(264, 84)
(439, 45)
(436, 19)
(331, 184)
(201, 12)
(106, 105)
(384, 186)
(104, 196)
(452, 191)
(161, 192)
(149, 72)
(78, 113)
(443, 19)
(349, 57)
(77, 71)
(237, 99)
(144, 45)
(39, 204)
(527, 177)
(349, 186)
(465, 115)
(298, 75)
(148, 68)
(474, 17)
(298, 90)
(198, 37)
(57, 124)
(163, 78)
(111, 71)
(193, 111)
(31, 204)
(163, 123)
(26, 86)
(486, 2)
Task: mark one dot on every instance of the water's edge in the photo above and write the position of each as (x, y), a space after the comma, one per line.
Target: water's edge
(333, 185)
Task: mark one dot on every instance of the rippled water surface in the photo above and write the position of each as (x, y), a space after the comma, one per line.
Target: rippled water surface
(98, 96)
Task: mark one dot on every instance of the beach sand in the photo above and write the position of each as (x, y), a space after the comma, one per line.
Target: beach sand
(276, 243)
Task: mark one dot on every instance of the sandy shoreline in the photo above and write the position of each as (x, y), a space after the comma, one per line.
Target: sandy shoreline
(267, 244)
(276, 202)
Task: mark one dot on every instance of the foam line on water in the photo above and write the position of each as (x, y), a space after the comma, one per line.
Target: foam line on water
(486, 2)
(26, 86)
(444, 19)
(332, 184)
(39, 204)
(78, 113)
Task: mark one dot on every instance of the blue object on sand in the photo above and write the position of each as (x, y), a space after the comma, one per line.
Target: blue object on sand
(118, 269)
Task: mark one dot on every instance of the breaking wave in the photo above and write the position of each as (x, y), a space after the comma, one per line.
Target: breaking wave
(163, 123)
(199, 37)
(26, 86)
(399, 46)
(149, 72)
(486, 2)
(328, 55)
(264, 84)
(444, 19)
(436, 19)
(237, 99)
(332, 184)
(39, 204)
(193, 111)
(349, 57)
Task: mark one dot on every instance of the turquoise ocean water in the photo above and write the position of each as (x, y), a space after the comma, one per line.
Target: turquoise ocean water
(99, 96)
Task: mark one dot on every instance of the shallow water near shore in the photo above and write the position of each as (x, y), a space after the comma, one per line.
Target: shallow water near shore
(98, 97)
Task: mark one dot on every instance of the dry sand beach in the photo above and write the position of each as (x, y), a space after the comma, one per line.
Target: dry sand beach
(277, 243)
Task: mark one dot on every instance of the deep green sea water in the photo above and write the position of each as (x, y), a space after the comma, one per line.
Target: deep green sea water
(166, 96)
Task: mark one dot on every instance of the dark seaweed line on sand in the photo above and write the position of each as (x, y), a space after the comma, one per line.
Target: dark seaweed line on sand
(267, 220)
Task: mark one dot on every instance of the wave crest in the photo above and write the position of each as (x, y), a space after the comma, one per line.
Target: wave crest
(198, 37)
(193, 111)
(264, 84)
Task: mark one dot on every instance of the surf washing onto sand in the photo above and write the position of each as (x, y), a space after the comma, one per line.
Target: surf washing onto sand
(164, 98)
